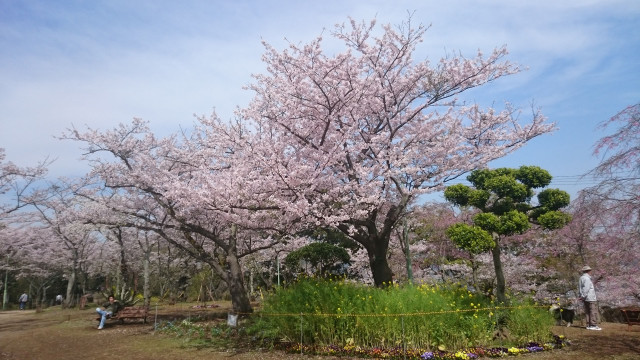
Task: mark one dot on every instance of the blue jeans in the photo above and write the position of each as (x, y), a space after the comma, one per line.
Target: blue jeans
(22, 304)
(103, 316)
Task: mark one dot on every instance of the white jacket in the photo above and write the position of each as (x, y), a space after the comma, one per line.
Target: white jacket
(585, 288)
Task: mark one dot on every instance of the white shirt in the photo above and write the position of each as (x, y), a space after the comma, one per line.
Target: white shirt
(585, 288)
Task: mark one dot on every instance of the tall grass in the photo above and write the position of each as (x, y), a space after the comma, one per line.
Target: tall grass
(336, 312)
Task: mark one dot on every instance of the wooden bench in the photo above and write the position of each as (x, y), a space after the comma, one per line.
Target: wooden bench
(631, 315)
(131, 312)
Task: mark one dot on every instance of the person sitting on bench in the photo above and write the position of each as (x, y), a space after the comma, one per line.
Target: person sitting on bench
(108, 310)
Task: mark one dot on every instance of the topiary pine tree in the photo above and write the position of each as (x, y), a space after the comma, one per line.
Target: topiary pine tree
(504, 198)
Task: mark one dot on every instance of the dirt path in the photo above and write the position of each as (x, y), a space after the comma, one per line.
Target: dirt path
(71, 334)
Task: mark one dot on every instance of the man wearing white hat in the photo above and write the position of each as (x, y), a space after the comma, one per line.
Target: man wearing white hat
(587, 294)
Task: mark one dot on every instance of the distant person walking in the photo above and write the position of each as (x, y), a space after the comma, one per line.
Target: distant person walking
(58, 299)
(23, 300)
(587, 293)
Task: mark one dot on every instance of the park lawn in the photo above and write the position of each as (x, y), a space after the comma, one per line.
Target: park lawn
(72, 334)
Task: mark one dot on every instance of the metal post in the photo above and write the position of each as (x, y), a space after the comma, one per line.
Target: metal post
(278, 267)
(155, 320)
(5, 297)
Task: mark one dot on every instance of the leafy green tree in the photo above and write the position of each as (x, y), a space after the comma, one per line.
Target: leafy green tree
(321, 256)
(472, 239)
(503, 198)
(331, 236)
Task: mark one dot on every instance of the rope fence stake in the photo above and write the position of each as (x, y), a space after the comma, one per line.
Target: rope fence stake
(404, 347)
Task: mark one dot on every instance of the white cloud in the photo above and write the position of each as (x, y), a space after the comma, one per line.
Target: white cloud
(101, 63)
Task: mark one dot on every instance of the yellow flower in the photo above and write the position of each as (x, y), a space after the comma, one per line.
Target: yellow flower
(513, 350)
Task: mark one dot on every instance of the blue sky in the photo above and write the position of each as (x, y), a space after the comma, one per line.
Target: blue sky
(100, 63)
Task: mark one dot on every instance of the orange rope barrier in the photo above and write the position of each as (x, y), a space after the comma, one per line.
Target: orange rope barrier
(400, 314)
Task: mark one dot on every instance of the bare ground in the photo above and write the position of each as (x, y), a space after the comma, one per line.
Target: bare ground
(57, 334)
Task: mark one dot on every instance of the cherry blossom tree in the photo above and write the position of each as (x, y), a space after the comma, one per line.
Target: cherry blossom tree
(15, 181)
(173, 266)
(620, 165)
(196, 191)
(135, 251)
(40, 264)
(606, 229)
(71, 238)
(422, 240)
(617, 274)
(131, 256)
(147, 241)
(356, 137)
(273, 272)
(595, 236)
(14, 258)
(624, 143)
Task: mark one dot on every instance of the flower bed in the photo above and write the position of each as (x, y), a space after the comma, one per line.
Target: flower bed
(400, 353)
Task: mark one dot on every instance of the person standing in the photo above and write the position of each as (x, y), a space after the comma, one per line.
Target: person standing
(23, 300)
(587, 294)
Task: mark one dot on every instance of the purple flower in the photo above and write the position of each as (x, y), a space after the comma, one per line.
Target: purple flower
(427, 356)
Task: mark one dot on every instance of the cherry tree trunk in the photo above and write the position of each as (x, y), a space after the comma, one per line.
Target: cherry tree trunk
(71, 282)
(147, 271)
(382, 274)
(235, 281)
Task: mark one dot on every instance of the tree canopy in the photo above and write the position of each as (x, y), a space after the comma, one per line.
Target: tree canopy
(357, 136)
